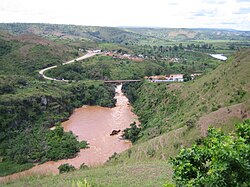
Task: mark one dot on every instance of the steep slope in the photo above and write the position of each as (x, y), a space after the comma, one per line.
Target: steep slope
(165, 107)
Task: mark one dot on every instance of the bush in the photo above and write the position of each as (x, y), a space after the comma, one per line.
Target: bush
(83, 166)
(65, 168)
(83, 144)
(132, 133)
(220, 160)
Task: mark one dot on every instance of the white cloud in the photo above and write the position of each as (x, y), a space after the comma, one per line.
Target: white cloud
(161, 13)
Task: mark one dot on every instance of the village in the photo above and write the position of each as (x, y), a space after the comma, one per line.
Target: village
(153, 79)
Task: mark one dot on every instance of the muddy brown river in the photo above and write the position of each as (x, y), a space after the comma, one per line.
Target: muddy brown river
(94, 124)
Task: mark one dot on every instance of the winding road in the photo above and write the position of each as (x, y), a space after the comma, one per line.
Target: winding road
(88, 55)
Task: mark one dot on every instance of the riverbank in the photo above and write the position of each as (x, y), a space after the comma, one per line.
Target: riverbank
(93, 124)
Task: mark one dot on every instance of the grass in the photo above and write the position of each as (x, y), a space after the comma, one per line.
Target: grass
(7, 168)
(146, 174)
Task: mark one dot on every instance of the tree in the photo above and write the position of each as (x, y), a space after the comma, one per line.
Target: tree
(219, 160)
(132, 133)
(187, 77)
(65, 168)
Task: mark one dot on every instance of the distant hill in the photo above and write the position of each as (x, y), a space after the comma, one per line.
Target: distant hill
(26, 53)
(192, 34)
(123, 35)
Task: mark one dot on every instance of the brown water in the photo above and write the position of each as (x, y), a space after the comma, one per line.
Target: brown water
(94, 124)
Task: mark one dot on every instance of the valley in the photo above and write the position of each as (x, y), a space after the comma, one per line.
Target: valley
(55, 110)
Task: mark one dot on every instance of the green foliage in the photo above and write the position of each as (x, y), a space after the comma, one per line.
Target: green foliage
(83, 144)
(65, 168)
(169, 185)
(106, 68)
(132, 133)
(80, 183)
(61, 144)
(5, 47)
(27, 115)
(7, 168)
(178, 60)
(220, 160)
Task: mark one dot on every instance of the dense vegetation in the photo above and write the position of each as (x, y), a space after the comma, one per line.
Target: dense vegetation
(181, 58)
(29, 106)
(106, 68)
(32, 110)
(218, 160)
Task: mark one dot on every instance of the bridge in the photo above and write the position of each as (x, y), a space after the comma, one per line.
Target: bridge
(121, 81)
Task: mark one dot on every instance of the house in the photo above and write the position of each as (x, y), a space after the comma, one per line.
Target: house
(166, 78)
(176, 77)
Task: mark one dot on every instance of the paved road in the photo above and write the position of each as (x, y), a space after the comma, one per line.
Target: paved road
(89, 54)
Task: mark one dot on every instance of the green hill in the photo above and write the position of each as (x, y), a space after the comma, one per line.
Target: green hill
(123, 35)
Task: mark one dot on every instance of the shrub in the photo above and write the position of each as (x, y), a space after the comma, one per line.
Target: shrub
(65, 168)
(132, 133)
(83, 166)
(220, 160)
(83, 144)
(151, 152)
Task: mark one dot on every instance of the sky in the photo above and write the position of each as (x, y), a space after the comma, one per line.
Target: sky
(234, 14)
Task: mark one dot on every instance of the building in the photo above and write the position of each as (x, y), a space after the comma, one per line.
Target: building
(166, 78)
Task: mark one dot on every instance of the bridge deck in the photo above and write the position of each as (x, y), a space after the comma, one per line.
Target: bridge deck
(121, 81)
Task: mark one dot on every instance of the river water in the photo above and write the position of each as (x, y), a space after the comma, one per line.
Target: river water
(219, 56)
(94, 124)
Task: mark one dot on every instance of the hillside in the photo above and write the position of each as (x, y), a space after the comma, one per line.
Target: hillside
(164, 108)
(192, 34)
(26, 53)
(29, 105)
(122, 35)
(172, 116)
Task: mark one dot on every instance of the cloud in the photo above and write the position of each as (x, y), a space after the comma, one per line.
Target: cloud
(241, 1)
(228, 23)
(172, 2)
(243, 11)
(161, 13)
(208, 13)
(214, 1)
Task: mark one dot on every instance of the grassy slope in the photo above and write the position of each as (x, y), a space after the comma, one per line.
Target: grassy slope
(226, 86)
(139, 174)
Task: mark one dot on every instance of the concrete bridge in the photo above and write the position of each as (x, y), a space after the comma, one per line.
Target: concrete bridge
(121, 81)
